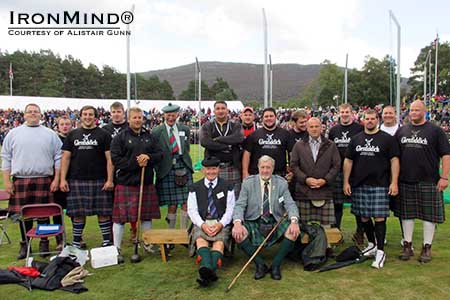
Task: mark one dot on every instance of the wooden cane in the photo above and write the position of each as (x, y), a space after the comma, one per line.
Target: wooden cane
(256, 253)
(138, 223)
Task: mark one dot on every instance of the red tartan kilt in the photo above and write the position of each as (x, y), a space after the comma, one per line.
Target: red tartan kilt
(126, 203)
(30, 191)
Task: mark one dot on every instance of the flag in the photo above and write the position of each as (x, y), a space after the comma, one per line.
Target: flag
(11, 75)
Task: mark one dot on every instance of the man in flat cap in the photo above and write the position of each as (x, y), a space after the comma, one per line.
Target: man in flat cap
(210, 207)
(263, 201)
(174, 172)
(222, 138)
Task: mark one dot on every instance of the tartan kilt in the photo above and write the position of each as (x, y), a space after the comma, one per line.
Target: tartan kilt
(30, 191)
(170, 193)
(309, 213)
(86, 198)
(126, 204)
(224, 235)
(232, 175)
(370, 201)
(338, 195)
(421, 201)
(256, 238)
(394, 205)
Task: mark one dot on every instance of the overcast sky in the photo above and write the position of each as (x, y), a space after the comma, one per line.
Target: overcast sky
(171, 33)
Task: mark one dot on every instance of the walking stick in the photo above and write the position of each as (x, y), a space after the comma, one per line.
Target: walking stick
(135, 258)
(256, 253)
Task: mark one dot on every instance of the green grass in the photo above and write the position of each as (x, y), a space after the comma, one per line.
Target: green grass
(151, 279)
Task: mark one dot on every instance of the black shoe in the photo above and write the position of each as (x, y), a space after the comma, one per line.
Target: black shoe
(275, 272)
(261, 271)
(120, 258)
(207, 274)
(203, 282)
(83, 245)
(22, 250)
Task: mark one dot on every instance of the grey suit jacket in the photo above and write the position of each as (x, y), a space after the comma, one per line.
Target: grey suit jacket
(249, 204)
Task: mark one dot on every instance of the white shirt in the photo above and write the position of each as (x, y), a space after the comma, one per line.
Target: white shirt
(314, 144)
(391, 130)
(192, 207)
(176, 134)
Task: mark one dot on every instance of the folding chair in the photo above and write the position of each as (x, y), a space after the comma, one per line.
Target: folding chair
(4, 215)
(38, 211)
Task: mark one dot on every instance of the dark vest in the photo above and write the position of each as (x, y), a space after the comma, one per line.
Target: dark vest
(201, 192)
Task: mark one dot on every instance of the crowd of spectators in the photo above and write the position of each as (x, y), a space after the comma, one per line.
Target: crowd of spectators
(438, 113)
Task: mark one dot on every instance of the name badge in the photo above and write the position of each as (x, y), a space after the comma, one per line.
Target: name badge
(182, 133)
(281, 200)
(220, 195)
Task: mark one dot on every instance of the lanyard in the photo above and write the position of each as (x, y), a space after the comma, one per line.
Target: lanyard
(220, 132)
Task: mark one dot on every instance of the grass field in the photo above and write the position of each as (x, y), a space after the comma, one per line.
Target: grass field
(151, 279)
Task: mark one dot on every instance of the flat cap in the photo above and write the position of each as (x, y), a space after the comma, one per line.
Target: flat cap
(211, 161)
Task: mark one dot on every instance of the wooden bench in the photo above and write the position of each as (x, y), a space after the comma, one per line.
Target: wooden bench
(180, 236)
(334, 236)
(165, 236)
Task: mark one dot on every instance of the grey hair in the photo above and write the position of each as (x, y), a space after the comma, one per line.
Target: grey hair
(266, 158)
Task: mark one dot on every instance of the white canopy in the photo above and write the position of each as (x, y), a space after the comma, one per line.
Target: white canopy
(48, 103)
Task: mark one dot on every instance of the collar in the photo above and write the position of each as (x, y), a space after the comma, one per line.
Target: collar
(318, 140)
(262, 181)
(206, 182)
(247, 127)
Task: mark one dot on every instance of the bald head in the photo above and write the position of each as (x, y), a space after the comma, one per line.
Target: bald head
(417, 112)
(314, 127)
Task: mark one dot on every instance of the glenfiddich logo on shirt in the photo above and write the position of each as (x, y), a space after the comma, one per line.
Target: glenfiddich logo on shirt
(269, 140)
(343, 141)
(116, 132)
(414, 139)
(368, 149)
(86, 141)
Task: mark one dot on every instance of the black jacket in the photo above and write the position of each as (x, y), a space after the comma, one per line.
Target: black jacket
(125, 147)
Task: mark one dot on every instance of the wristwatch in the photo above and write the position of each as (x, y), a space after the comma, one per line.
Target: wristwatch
(294, 220)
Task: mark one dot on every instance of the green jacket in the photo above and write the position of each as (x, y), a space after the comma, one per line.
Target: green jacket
(160, 133)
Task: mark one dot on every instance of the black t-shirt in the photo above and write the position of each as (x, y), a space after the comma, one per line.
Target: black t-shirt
(371, 155)
(87, 147)
(276, 144)
(421, 148)
(341, 135)
(114, 129)
(297, 136)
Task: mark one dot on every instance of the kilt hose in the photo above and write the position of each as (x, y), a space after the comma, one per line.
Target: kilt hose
(86, 198)
(30, 191)
(338, 195)
(370, 201)
(233, 176)
(309, 213)
(256, 237)
(169, 193)
(421, 201)
(126, 204)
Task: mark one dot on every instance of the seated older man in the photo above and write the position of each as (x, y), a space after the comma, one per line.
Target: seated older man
(263, 201)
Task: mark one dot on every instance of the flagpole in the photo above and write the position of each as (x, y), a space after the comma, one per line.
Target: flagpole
(345, 78)
(266, 101)
(270, 80)
(128, 65)
(397, 102)
(10, 79)
(436, 67)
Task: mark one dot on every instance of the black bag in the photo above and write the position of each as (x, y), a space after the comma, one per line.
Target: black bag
(181, 177)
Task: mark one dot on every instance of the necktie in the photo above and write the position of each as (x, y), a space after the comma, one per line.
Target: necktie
(173, 142)
(212, 210)
(266, 204)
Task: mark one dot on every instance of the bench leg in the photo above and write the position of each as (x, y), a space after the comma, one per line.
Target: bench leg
(162, 248)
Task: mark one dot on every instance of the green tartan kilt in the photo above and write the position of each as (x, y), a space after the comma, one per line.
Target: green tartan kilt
(255, 236)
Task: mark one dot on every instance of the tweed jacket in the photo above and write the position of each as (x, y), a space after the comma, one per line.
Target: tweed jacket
(249, 204)
(160, 133)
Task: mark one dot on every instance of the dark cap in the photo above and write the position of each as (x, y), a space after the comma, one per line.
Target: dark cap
(211, 161)
(171, 108)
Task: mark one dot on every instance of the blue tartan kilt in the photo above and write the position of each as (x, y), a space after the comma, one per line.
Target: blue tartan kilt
(421, 201)
(86, 198)
(169, 193)
(370, 201)
(338, 195)
(255, 236)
